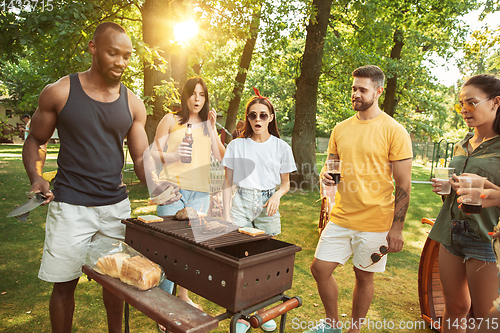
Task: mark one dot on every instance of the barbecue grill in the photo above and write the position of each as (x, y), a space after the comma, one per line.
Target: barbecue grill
(234, 270)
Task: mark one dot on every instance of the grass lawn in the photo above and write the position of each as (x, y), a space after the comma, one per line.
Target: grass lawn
(24, 298)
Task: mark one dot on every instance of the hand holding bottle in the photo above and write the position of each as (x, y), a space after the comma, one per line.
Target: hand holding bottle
(185, 147)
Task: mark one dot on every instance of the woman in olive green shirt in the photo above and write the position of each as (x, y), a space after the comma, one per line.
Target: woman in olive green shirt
(491, 197)
(466, 261)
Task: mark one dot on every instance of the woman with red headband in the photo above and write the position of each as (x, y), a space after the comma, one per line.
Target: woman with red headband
(257, 162)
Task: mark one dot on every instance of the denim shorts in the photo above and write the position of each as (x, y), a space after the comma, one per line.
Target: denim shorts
(247, 210)
(200, 201)
(466, 243)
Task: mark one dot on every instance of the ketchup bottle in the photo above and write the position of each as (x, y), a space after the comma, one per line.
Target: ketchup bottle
(188, 138)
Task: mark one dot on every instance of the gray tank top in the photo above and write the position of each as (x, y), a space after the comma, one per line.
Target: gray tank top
(90, 157)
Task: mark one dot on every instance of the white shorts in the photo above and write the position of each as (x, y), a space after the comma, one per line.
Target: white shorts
(69, 228)
(337, 244)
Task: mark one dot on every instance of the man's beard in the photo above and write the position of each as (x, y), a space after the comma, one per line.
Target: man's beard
(113, 80)
(363, 106)
(105, 73)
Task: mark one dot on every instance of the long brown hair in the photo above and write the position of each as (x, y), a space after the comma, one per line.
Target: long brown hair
(490, 85)
(273, 127)
(186, 93)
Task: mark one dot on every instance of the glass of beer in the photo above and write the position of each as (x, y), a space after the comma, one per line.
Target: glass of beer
(443, 176)
(471, 189)
(333, 168)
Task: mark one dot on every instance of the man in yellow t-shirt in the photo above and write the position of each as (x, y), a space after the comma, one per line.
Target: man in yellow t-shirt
(367, 219)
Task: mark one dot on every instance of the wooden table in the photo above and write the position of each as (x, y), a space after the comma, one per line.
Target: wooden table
(176, 315)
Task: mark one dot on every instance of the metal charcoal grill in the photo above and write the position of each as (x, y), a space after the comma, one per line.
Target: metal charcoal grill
(233, 270)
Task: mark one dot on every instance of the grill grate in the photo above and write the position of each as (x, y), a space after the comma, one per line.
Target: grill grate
(182, 230)
(233, 270)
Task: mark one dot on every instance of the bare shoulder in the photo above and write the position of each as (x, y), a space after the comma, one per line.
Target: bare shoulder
(50, 103)
(54, 96)
(166, 125)
(61, 84)
(136, 106)
(169, 118)
(168, 121)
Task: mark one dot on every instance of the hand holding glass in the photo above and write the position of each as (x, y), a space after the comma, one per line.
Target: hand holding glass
(471, 189)
(333, 168)
(443, 176)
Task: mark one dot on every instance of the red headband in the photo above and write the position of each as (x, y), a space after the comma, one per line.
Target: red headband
(258, 93)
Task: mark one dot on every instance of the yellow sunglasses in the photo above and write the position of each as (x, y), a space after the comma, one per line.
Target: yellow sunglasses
(469, 106)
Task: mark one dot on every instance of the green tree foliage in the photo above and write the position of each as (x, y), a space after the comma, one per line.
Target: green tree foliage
(306, 97)
(397, 36)
(22, 81)
(224, 42)
(50, 44)
(38, 48)
(482, 52)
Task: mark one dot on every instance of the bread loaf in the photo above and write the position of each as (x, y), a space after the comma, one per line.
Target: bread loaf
(140, 272)
(112, 264)
(187, 213)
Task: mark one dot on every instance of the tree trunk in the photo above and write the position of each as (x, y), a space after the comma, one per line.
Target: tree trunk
(304, 129)
(179, 68)
(179, 59)
(392, 82)
(246, 58)
(156, 32)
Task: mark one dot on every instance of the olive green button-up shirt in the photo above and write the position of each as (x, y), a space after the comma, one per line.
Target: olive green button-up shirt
(483, 161)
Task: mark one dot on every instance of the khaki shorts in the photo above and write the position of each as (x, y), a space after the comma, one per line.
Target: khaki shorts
(337, 244)
(69, 228)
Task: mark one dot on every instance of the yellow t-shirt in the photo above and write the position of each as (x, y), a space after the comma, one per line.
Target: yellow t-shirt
(364, 199)
(194, 176)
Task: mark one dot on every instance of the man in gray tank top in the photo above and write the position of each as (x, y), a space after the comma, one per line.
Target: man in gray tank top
(93, 113)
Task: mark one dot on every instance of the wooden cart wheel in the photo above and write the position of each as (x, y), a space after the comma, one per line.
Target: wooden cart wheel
(430, 292)
(324, 215)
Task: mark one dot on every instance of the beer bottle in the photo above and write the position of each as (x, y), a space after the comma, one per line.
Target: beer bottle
(188, 138)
